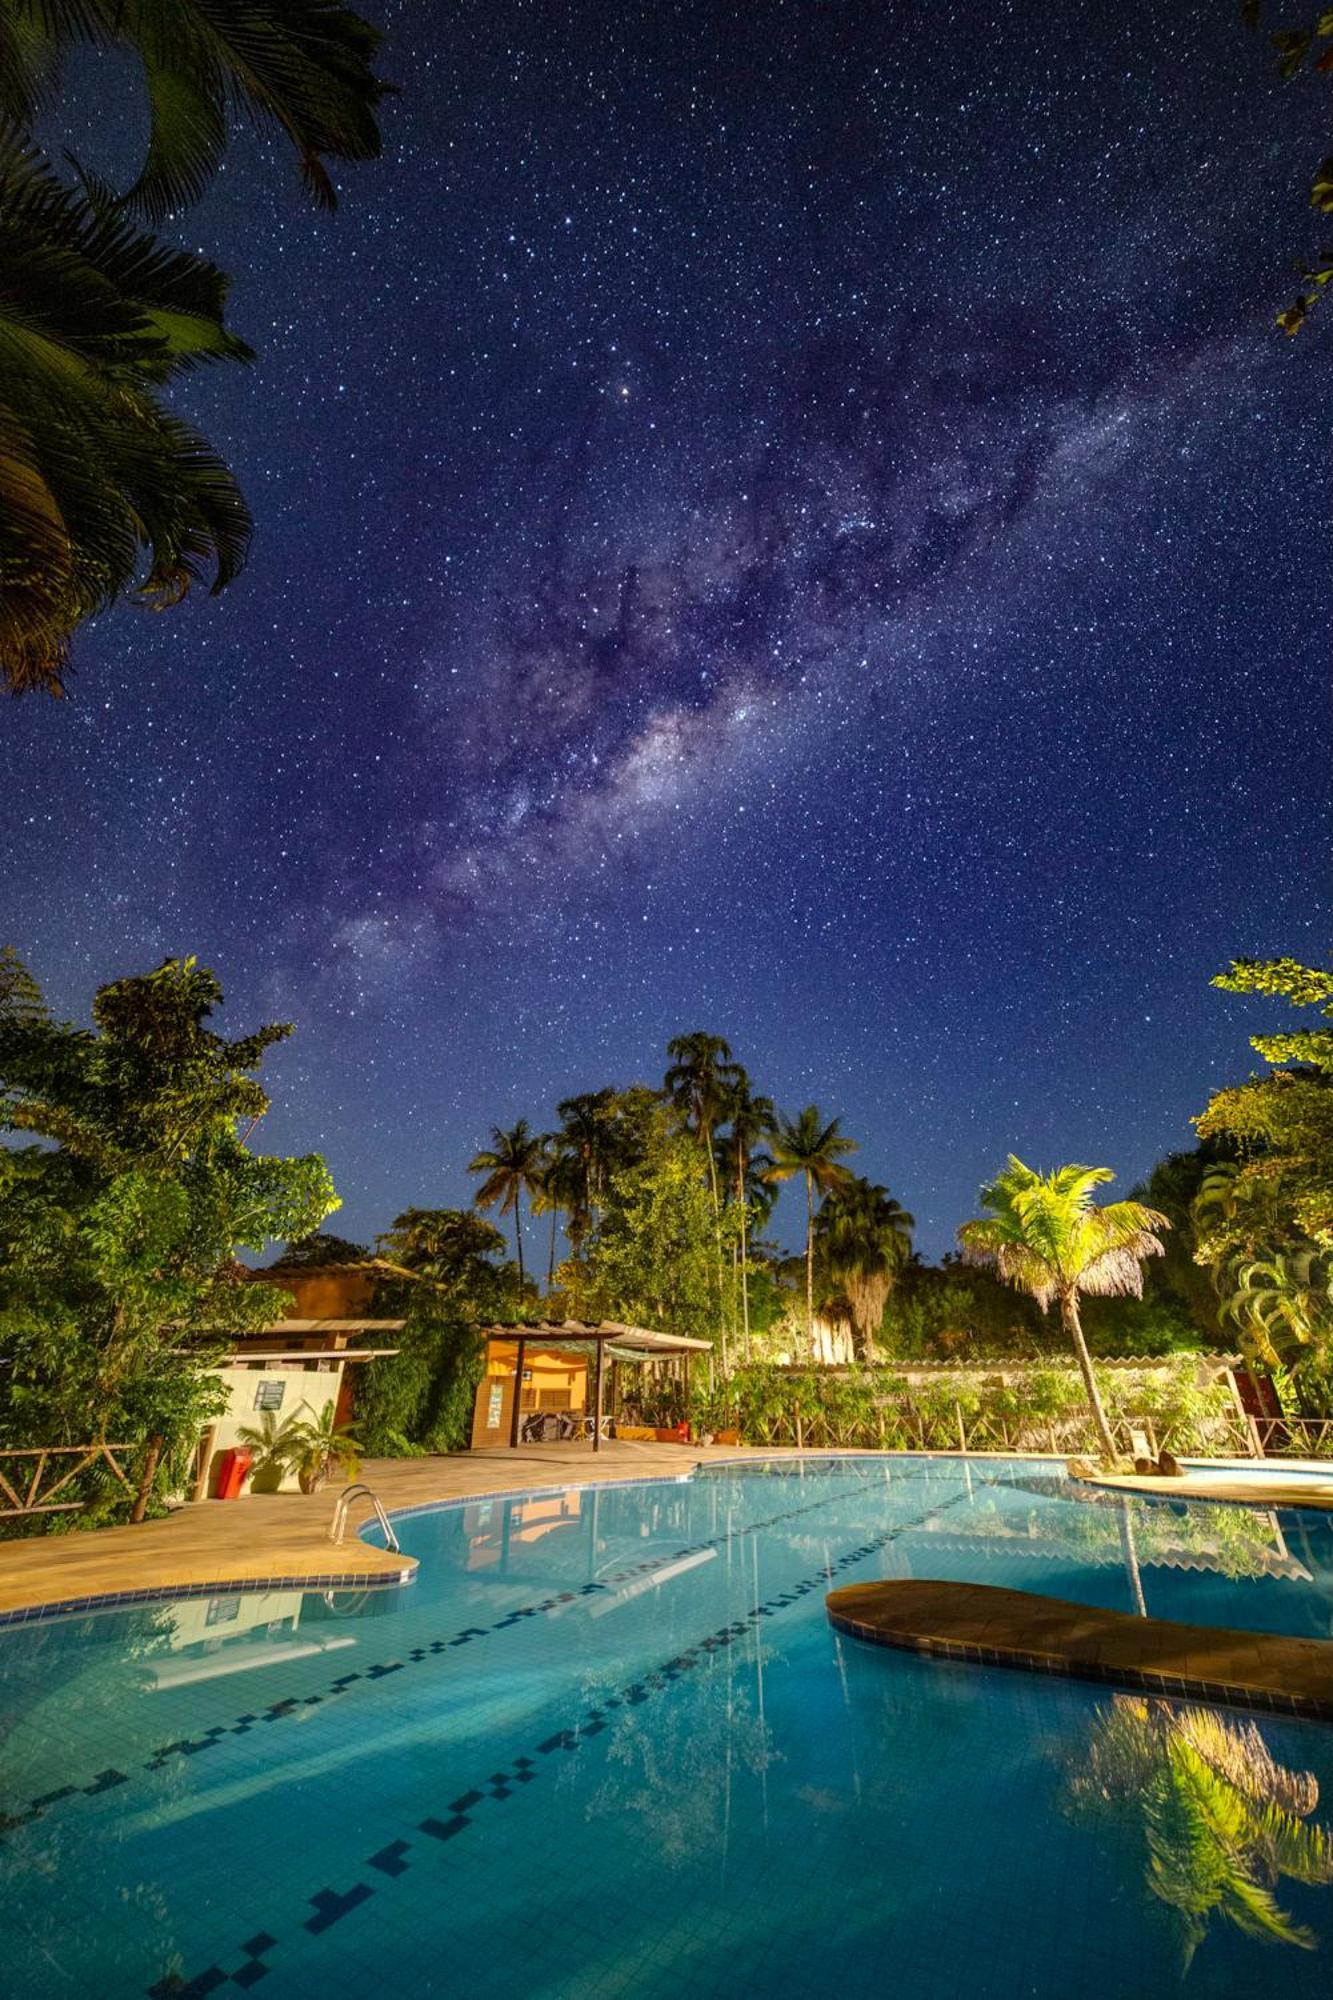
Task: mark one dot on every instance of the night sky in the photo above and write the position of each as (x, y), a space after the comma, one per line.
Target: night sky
(792, 520)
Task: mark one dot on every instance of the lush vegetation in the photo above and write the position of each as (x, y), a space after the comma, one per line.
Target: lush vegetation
(120, 1225)
(130, 1185)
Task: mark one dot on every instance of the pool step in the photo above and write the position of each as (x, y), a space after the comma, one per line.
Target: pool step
(991, 1626)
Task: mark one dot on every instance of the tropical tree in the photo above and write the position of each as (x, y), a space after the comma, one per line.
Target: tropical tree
(1045, 1235)
(815, 1148)
(104, 491)
(1283, 1307)
(749, 1118)
(699, 1082)
(119, 1229)
(1280, 1126)
(301, 68)
(588, 1140)
(863, 1238)
(102, 487)
(514, 1165)
(1221, 1821)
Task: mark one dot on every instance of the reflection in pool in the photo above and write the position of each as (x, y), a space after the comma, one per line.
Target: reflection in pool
(608, 1743)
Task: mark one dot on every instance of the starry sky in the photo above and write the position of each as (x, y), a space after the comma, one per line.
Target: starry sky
(790, 519)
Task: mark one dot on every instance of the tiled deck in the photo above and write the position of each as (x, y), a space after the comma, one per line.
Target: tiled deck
(283, 1538)
(1248, 1483)
(985, 1625)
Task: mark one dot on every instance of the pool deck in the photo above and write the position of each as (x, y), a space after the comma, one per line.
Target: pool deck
(1243, 1480)
(985, 1625)
(283, 1538)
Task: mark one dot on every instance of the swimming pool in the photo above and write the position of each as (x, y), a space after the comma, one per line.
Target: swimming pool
(608, 1744)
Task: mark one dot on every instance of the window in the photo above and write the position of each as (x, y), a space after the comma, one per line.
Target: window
(269, 1395)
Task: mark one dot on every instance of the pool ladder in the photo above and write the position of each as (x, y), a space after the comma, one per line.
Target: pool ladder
(358, 1490)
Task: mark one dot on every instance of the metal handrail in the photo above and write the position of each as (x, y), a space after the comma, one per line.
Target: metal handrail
(358, 1490)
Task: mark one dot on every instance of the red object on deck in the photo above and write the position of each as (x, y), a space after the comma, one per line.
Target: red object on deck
(683, 1433)
(232, 1469)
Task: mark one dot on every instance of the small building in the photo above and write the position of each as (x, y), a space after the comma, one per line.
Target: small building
(298, 1365)
(536, 1381)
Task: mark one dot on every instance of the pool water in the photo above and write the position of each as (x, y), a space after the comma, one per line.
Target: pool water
(608, 1744)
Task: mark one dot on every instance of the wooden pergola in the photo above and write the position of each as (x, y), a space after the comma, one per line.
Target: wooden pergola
(627, 1343)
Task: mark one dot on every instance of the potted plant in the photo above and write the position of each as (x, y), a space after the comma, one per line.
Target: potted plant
(274, 1443)
(319, 1445)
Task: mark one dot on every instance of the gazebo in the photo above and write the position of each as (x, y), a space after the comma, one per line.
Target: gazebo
(604, 1337)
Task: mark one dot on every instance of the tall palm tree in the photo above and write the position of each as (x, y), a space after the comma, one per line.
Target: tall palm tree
(701, 1075)
(1045, 1235)
(588, 1139)
(815, 1148)
(298, 67)
(749, 1118)
(513, 1164)
(863, 1238)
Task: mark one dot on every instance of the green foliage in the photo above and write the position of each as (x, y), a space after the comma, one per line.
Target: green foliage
(1044, 1409)
(1280, 1194)
(863, 1238)
(422, 1398)
(104, 490)
(1297, 52)
(652, 1261)
(118, 1232)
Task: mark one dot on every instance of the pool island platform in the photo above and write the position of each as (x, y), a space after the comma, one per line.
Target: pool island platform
(1257, 1482)
(984, 1624)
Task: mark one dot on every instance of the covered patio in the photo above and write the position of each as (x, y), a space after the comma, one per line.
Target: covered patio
(561, 1352)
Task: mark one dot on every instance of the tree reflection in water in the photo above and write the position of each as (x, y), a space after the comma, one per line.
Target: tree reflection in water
(1221, 1822)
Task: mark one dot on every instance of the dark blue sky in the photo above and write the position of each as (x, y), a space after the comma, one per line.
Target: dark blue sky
(792, 520)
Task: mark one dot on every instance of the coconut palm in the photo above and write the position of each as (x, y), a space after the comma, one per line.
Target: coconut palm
(103, 489)
(750, 1119)
(513, 1164)
(1222, 1822)
(298, 67)
(863, 1237)
(815, 1148)
(589, 1141)
(1045, 1235)
(698, 1081)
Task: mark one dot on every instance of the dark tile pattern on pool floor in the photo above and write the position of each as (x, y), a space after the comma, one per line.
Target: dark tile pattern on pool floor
(328, 1905)
(293, 1705)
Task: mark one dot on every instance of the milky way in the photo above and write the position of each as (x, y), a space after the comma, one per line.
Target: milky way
(791, 520)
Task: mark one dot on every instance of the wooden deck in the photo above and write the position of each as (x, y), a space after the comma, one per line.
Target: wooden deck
(986, 1625)
(272, 1537)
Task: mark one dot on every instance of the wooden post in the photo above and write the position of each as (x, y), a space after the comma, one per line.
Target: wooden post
(800, 1433)
(597, 1398)
(203, 1463)
(518, 1395)
(150, 1465)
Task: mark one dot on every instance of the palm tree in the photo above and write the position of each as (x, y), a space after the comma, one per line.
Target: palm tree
(1221, 1821)
(1283, 1305)
(104, 491)
(589, 1141)
(102, 487)
(1045, 1235)
(513, 1164)
(750, 1119)
(701, 1075)
(808, 1145)
(300, 67)
(863, 1237)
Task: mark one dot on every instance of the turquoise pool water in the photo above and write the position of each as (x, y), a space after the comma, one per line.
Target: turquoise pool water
(608, 1744)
